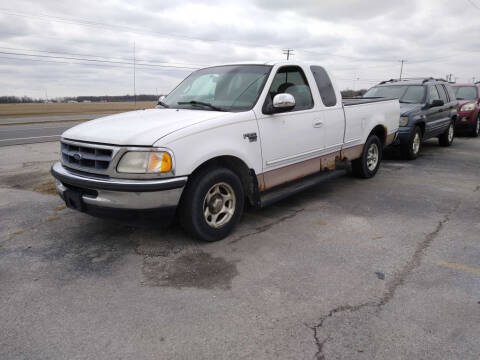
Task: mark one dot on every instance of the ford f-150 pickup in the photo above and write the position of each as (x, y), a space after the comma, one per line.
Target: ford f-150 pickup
(225, 135)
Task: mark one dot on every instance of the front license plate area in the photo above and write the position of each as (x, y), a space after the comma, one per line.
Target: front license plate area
(73, 200)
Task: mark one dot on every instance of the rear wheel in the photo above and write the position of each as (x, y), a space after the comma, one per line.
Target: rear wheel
(476, 127)
(446, 139)
(367, 165)
(411, 149)
(212, 204)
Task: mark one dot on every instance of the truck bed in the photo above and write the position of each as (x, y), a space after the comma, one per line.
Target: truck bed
(360, 101)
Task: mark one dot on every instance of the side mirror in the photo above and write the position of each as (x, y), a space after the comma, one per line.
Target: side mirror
(436, 103)
(281, 103)
(160, 99)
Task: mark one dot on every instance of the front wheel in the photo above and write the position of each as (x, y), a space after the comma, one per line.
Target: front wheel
(212, 204)
(411, 149)
(367, 165)
(446, 139)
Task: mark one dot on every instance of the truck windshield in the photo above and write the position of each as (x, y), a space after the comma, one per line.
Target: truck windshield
(220, 88)
(465, 92)
(410, 94)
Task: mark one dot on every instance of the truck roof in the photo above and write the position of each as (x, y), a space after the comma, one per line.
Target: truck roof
(270, 63)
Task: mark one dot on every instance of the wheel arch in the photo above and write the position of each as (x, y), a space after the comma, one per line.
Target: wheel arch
(381, 132)
(246, 175)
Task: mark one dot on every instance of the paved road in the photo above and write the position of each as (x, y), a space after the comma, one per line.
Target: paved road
(47, 119)
(34, 133)
(386, 268)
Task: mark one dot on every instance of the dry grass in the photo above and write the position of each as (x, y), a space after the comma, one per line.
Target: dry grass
(20, 110)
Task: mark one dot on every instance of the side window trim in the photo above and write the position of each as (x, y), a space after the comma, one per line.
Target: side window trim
(305, 78)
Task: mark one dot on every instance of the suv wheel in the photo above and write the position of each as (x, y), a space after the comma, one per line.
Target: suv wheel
(476, 127)
(411, 149)
(212, 204)
(446, 139)
(367, 165)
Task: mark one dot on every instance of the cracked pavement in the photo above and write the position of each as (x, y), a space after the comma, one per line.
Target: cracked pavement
(387, 268)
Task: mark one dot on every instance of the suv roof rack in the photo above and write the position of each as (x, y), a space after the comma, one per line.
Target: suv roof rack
(423, 79)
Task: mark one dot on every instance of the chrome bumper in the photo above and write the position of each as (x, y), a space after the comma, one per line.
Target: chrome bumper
(124, 194)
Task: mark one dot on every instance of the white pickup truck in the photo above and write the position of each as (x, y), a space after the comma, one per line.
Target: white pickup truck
(227, 134)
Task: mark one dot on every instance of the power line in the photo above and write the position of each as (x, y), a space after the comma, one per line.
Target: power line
(95, 60)
(473, 4)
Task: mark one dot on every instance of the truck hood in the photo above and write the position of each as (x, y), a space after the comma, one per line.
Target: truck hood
(406, 109)
(141, 127)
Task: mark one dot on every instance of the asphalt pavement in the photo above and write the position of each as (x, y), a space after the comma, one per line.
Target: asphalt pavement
(37, 129)
(385, 268)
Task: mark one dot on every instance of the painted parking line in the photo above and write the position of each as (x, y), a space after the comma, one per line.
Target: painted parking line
(458, 267)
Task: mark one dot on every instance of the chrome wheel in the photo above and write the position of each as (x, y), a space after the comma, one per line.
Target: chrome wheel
(372, 157)
(219, 205)
(416, 143)
(450, 133)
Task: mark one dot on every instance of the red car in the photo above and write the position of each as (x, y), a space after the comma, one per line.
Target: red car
(468, 96)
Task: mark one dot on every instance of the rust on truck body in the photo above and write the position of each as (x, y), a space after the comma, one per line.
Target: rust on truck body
(292, 172)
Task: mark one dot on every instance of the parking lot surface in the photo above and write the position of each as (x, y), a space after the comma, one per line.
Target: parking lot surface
(386, 268)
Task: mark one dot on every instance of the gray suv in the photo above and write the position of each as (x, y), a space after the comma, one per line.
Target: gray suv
(428, 109)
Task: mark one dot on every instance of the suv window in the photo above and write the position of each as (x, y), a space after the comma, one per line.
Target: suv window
(292, 80)
(432, 94)
(443, 93)
(324, 84)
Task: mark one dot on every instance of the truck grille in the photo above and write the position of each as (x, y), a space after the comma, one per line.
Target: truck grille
(86, 157)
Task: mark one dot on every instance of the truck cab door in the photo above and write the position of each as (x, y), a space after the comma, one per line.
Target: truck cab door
(291, 141)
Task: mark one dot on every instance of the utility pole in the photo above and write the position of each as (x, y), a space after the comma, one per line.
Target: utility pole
(134, 77)
(401, 68)
(288, 52)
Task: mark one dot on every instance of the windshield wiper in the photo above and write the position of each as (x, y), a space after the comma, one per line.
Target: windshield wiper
(161, 103)
(460, 98)
(200, 103)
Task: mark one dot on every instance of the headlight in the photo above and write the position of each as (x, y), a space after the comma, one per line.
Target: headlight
(468, 107)
(140, 162)
(403, 121)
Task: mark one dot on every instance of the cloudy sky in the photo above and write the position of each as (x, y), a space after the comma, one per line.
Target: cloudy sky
(86, 47)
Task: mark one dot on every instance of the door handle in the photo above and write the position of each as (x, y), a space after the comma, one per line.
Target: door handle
(318, 124)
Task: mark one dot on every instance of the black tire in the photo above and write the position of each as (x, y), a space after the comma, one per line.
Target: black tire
(192, 212)
(446, 139)
(476, 127)
(411, 149)
(361, 167)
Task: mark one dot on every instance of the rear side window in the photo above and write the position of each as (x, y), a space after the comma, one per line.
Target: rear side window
(325, 87)
(443, 94)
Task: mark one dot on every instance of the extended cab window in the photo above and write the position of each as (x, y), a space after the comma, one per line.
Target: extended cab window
(325, 87)
(292, 80)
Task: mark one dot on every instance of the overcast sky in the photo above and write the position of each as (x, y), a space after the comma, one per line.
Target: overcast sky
(360, 41)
